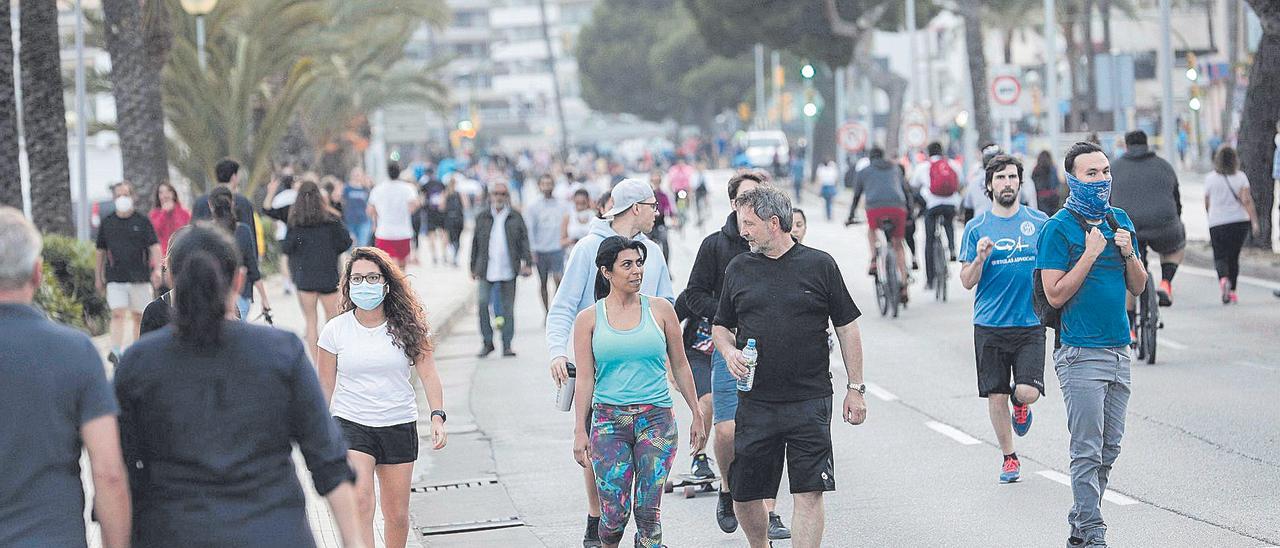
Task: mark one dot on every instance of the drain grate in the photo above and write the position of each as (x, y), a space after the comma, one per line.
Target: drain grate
(462, 484)
(471, 526)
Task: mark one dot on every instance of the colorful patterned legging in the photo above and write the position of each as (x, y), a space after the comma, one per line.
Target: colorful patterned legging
(632, 444)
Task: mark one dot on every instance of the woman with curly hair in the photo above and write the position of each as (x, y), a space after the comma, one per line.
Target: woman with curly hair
(367, 355)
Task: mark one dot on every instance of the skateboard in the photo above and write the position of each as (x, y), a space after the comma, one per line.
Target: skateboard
(691, 486)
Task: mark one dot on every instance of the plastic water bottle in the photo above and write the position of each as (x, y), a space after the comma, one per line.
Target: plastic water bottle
(564, 395)
(751, 356)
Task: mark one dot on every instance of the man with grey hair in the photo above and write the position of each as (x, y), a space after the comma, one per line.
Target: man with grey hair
(499, 251)
(52, 377)
(781, 296)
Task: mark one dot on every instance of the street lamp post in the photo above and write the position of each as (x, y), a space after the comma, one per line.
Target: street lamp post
(1051, 73)
(82, 180)
(199, 8)
(1168, 131)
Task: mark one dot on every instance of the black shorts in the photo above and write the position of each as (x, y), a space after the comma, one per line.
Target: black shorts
(1170, 238)
(1006, 355)
(395, 444)
(767, 432)
(701, 365)
(549, 263)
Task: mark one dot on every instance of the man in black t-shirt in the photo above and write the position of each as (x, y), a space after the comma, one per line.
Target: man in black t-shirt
(128, 265)
(783, 294)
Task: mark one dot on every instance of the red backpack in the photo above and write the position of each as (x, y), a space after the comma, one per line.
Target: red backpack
(943, 181)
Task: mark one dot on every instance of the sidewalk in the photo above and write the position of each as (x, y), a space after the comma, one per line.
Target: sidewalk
(448, 295)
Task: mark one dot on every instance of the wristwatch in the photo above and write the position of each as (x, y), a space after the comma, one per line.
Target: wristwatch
(439, 413)
(861, 388)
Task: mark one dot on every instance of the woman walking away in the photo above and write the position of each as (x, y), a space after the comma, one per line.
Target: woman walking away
(1048, 184)
(367, 356)
(222, 207)
(624, 343)
(210, 409)
(1231, 216)
(315, 241)
(455, 217)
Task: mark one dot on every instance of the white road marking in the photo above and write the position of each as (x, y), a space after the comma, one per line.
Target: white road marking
(1111, 496)
(877, 391)
(1256, 365)
(1162, 341)
(1242, 279)
(950, 432)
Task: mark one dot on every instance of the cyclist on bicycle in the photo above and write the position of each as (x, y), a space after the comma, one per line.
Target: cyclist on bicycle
(882, 184)
(1146, 187)
(680, 176)
(938, 181)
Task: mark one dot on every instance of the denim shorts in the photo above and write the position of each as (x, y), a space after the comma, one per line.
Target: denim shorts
(724, 390)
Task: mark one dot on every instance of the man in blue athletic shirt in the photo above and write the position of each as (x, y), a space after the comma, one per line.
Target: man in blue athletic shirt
(999, 256)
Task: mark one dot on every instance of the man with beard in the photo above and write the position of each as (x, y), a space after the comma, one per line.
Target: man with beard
(999, 257)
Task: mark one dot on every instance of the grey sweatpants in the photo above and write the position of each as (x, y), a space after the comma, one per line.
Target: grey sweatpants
(1095, 386)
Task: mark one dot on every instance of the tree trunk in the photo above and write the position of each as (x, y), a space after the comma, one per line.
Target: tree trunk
(1068, 23)
(10, 183)
(555, 82)
(1089, 99)
(1261, 109)
(893, 85)
(971, 10)
(139, 112)
(44, 117)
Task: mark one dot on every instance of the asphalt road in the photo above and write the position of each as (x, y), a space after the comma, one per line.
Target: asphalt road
(1200, 464)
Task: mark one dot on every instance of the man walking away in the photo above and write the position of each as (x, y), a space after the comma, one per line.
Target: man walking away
(500, 250)
(702, 297)
(999, 257)
(1146, 187)
(227, 173)
(548, 218)
(938, 181)
(781, 296)
(128, 266)
(392, 205)
(629, 211)
(1088, 264)
(55, 398)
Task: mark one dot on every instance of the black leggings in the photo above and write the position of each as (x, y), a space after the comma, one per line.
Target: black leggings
(1227, 241)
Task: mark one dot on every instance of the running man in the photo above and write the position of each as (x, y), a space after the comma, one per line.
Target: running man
(999, 257)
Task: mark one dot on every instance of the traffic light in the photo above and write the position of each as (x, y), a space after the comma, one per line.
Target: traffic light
(807, 71)
(1192, 73)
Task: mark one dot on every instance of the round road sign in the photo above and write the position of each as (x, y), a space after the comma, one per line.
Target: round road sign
(917, 134)
(1005, 90)
(853, 137)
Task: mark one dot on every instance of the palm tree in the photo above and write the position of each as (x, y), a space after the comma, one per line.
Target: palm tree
(1261, 108)
(135, 82)
(971, 12)
(44, 117)
(10, 183)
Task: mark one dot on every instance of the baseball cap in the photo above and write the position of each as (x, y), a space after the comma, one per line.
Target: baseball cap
(629, 192)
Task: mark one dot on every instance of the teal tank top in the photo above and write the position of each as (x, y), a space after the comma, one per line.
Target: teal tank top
(631, 365)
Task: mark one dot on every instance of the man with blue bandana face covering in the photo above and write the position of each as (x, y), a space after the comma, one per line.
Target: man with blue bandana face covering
(1087, 263)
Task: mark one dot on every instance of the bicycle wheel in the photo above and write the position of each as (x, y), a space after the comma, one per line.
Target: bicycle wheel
(893, 285)
(1150, 321)
(882, 294)
(939, 273)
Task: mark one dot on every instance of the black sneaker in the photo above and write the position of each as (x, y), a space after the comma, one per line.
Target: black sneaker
(777, 531)
(488, 349)
(591, 539)
(701, 468)
(114, 358)
(725, 517)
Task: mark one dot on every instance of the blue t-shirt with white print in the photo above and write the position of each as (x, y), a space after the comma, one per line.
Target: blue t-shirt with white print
(1004, 297)
(1095, 316)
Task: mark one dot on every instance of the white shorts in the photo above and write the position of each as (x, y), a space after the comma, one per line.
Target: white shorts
(132, 296)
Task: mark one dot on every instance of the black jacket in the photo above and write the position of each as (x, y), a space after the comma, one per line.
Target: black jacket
(1146, 187)
(517, 243)
(702, 294)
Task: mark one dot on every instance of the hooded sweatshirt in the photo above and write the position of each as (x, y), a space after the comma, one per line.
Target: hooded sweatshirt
(1146, 187)
(577, 290)
(702, 294)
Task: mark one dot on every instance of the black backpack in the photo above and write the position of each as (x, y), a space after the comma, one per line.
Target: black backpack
(1050, 316)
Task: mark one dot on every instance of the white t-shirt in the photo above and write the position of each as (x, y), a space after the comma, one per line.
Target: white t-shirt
(920, 181)
(827, 174)
(391, 200)
(1224, 197)
(374, 386)
(283, 198)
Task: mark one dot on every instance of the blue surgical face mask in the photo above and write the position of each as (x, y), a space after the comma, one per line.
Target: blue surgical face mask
(368, 296)
(1090, 200)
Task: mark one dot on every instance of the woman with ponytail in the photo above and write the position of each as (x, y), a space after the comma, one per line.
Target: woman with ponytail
(209, 411)
(625, 344)
(367, 357)
(222, 207)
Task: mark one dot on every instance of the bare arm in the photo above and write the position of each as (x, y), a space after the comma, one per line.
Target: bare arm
(327, 370)
(854, 410)
(1246, 200)
(342, 503)
(98, 270)
(679, 363)
(971, 273)
(110, 485)
(430, 378)
(584, 384)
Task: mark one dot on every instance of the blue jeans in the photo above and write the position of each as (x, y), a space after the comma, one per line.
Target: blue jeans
(724, 391)
(361, 233)
(243, 304)
(829, 197)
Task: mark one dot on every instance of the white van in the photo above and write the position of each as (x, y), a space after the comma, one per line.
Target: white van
(763, 145)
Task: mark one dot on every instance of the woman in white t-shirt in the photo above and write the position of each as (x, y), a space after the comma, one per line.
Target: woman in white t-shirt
(368, 354)
(1231, 217)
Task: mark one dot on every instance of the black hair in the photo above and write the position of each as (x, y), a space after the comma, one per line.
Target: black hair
(222, 209)
(204, 262)
(393, 170)
(608, 254)
(935, 149)
(996, 165)
(876, 153)
(226, 169)
(1081, 147)
(795, 210)
(1135, 137)
(582, 192)
(759, 177)
(286, 182)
